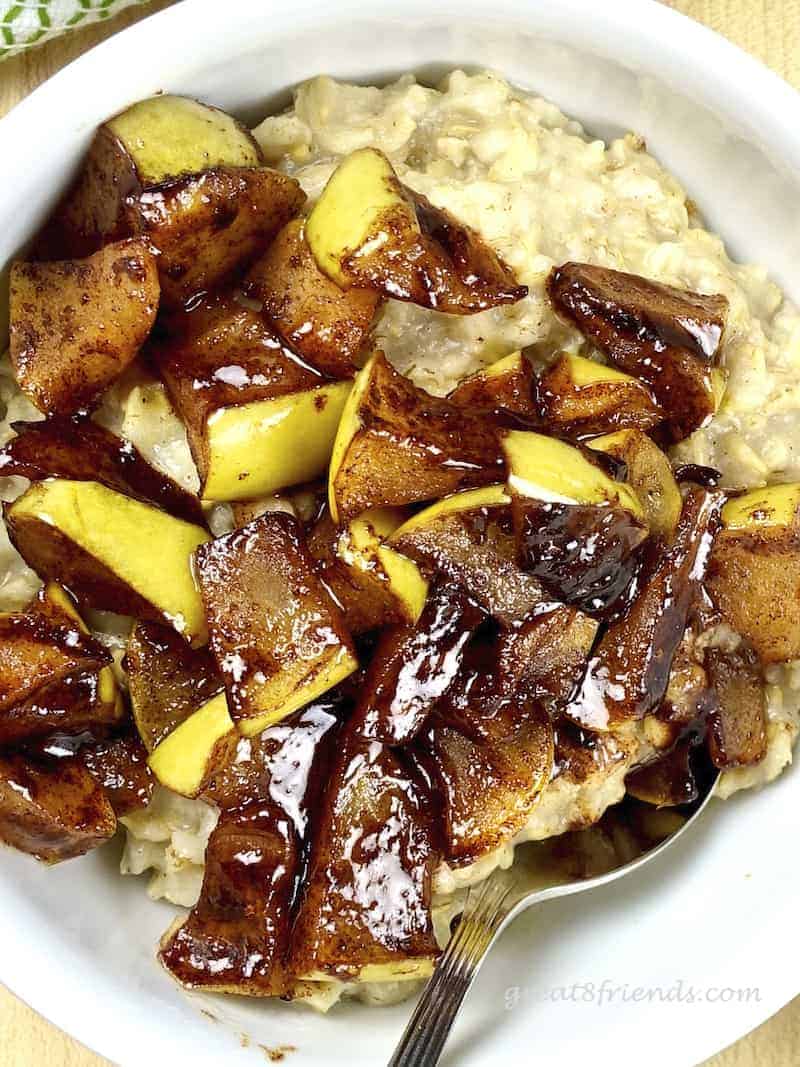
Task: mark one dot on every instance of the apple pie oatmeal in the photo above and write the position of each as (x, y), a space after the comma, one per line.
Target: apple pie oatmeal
(406, 481)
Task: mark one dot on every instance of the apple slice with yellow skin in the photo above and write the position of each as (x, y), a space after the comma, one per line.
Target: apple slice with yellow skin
(155, 139)
(361, 546)
(580, 396)
(649, 474)
(278, 637)
(506, 383)
(262, 447)
(548, 469)
(113, 552)
(204, 741)
(167, 680)
(361, 208)
(55, 596)
(754, 573)
(467, 538)
(397, 444)
(367, 230)
(257, 417)
(772, 507)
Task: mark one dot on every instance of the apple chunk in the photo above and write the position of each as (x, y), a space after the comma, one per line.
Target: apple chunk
(649, 474)
(167, 680)
(396, 444)
(278, 638)
(101, 545)
(50, 675)
(507, 383)
(754, 573)
(629, 671)
(468, 538)
(235, 939)
(326, 325)
(374, 823)
(153, 140)
(550, 470)
(490, 788)
(367, 230)
(83, 451)
(56, 604)
(582, 554)
(669, 338)
(579, 397)
(119, 766)
(194, 750)
(413, 667)
(52, 810)
(206, 227)
(77, 324)
(257, 418)
(737, 734)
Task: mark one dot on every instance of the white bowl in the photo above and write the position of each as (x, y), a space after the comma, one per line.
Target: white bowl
(660, 951)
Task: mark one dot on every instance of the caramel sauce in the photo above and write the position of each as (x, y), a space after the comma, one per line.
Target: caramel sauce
(586, 556)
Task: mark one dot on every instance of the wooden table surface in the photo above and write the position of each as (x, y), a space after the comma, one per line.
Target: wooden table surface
(769, 29)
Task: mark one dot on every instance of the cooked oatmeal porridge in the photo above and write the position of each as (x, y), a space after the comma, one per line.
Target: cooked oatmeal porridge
(541, 192)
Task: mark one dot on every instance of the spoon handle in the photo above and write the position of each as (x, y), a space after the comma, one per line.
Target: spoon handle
(485, 910)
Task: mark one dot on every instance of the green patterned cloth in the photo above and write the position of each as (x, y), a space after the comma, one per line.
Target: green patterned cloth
(30, 22)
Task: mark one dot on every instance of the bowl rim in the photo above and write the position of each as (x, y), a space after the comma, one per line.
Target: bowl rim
(640, 27)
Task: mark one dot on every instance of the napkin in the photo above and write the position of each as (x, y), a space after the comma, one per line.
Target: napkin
(26, 23)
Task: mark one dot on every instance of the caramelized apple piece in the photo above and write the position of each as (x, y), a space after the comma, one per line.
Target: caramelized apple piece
(396, 445)
(207, 227)
(579, 397)
(288, 762)
(582, 555)
(149, 142)
(667, 781)
(257, 418)
(236, 938)
(99, 543)
(547, 654)
(192, 753)
(278, 638)
(468, 539)
(325, 324)
(737, 722)
(649, 473)
(507, 383)
(540, 662)
(373, 584)
(374, 834)
(167, 680)
(36, 651)
(81, 450)
(413, 666)
(119, 766)
(54, 811)
(546, 468)
(367, 230)
(669, 338)
(490, 787)
(754, 573)
(628, 673)
(77, 324)
(55, 604)
(236, 935)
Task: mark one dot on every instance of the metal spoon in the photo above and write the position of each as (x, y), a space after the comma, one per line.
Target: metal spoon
(488, 909)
